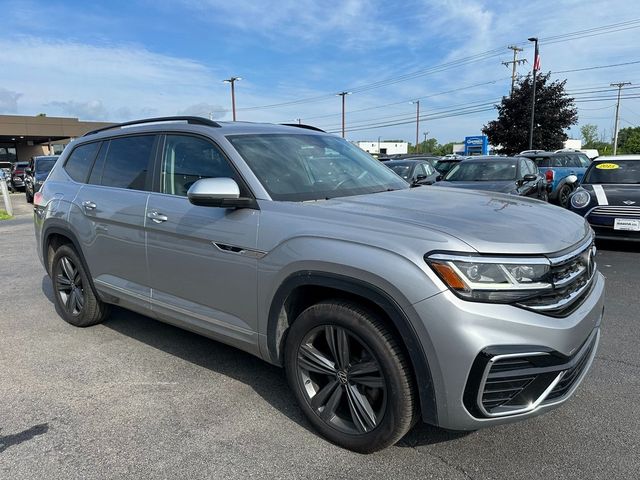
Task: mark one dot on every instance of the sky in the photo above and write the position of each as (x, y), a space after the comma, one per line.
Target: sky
(122, 60)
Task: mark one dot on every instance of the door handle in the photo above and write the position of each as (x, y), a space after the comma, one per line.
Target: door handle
(89, 205)
(157, 217)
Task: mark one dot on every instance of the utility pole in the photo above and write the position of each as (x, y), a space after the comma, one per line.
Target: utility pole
(514, 63)
(343, 94)
(232, 81)
(417, 104)
(534, 69)
(615, 131)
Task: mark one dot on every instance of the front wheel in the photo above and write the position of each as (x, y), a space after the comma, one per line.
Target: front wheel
(350, 376)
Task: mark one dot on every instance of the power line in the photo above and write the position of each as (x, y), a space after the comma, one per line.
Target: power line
(612, 28)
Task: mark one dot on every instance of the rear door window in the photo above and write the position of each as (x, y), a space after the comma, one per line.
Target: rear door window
(79, 162)
(126, 163)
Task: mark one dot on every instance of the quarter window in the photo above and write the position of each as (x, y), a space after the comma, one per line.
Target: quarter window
(127, 161)
(187, 159)
(79, 162)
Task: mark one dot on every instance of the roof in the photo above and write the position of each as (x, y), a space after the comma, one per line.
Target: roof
(491, 158)
(405, 161)
(617, 158)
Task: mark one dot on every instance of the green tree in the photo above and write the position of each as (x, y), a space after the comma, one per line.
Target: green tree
(589, 135)
(555, 112)
(629, 140)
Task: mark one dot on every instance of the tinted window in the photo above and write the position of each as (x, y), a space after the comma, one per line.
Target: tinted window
(403, 170)
(44, 165)
(127, 161)
(187, 159)
(298, 167)
(584, 160)
(98, 165)
(428, 168)
(79, 162)
(480, 171)
(573, 161)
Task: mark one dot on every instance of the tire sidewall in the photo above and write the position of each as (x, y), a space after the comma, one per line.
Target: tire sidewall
(360, 327)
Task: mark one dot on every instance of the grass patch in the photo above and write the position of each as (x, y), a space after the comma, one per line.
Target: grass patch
(4, 215)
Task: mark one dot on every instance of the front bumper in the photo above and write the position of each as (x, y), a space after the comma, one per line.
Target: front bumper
(465, 336)
(17, 182)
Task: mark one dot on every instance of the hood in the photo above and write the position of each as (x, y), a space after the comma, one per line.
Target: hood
(617, 194)
(503, 186)
(488, 222)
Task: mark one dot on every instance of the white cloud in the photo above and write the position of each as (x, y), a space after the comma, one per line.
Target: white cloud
(9, 100)
(101, 82)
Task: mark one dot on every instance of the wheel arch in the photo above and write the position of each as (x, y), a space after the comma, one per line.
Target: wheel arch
(302, 289)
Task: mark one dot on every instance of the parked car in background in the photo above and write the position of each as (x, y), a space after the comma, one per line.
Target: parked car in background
(36, 173)
(384, 304)
(5, 168)
(416, 172)
(513, 175)
(556, 167)
(17, 175)
(609, 197)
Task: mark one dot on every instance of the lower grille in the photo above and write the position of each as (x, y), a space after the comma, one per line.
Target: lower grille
(516, 383)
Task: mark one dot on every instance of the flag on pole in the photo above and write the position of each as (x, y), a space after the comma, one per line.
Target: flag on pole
(536, 63)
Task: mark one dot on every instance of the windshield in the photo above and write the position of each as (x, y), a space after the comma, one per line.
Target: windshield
(403, 170)
(44, 165)
(489, 171)
(443, 166)
(299, 167)
(626, 171)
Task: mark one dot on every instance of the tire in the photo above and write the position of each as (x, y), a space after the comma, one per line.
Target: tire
(361, 397)
(563, 196)
(544, 195)
(75, 299)
(29, 197)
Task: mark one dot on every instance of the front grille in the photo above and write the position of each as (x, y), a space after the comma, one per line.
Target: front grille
(616, 211)
(508, 384)
(572, 276)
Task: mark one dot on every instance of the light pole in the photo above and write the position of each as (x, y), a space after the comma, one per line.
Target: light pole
(615, 129)
(417, 104)
(343, 94)
(378, 144)
(535, 68)
(232, 81)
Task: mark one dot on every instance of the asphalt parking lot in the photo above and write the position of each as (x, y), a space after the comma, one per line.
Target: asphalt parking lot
(139, 399)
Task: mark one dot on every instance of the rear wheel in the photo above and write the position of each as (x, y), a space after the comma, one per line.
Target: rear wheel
(28, 195)
(563, 196)
(350, 376)
(74, 297)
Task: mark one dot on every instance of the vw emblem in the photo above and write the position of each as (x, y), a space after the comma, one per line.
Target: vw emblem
(628, 202)
(342, 376)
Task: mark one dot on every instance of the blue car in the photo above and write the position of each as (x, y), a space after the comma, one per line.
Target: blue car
(556, 167)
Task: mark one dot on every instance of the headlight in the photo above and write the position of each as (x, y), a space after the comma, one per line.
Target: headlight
(580, 199)
(488, 279)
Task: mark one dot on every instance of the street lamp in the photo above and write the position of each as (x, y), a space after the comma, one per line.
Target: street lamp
(534, 69)
(232, 81)
(343, 94)
(417, 104)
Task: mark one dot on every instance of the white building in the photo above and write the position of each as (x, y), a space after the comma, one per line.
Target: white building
(384, 148)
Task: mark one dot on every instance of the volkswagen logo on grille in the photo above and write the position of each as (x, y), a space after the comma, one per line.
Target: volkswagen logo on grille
(342, 376)
(629, 202)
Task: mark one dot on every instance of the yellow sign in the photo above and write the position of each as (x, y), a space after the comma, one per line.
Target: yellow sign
(607, 166)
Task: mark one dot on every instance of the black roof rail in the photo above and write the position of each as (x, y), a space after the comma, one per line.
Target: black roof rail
(193, 120)
(302, 125)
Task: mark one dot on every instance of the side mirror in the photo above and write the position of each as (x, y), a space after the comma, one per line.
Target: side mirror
(28, 171)
(218, 192)
(571, 179)
(420, 178)
(438, 178)
(530, 177)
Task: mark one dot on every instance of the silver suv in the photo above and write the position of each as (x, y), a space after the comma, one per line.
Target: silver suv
(384, 303)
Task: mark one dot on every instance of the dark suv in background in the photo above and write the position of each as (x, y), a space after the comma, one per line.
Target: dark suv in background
(36, 173)
(17, 175)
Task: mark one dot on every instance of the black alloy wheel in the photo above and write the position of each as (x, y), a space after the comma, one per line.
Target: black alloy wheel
(350, 375)
(68, 283)
(75, 299)
(563, 196)
(342, 379)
